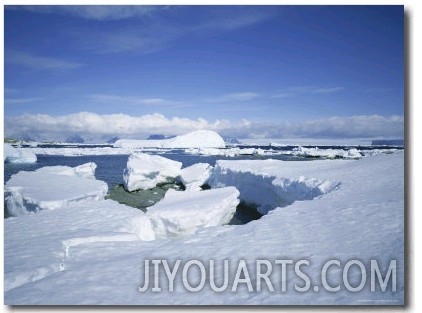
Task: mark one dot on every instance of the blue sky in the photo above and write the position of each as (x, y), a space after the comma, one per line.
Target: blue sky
(221, 67)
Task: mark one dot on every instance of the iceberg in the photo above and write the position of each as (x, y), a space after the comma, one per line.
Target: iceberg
(184, 212)
(196, 175)
(195, 139)
(144, 171)
(52, 187)
(18, 155)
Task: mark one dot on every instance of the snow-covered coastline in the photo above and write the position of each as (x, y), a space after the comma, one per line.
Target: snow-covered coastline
(358, 216)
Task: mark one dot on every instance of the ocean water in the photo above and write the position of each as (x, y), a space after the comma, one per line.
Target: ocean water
(110, 169)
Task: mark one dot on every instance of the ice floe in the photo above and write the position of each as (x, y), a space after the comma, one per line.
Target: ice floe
(196, 175)
(184, 212)
(144, 171)
(52, 187)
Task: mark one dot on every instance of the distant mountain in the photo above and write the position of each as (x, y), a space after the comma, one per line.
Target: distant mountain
(75, 139)
(159, 137)
(22, 137)
(231, 140)
(388, 142)
(112, 140)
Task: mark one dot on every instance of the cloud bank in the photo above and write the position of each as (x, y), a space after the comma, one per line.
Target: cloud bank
(97, 128)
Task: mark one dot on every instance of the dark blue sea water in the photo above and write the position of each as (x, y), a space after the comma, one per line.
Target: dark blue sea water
(110, 167)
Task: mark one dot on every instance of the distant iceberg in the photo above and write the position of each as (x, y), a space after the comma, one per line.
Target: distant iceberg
(195, 139)
(15, 155)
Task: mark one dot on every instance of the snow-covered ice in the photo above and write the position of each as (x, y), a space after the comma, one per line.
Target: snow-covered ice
(306, 142)
(184, 212)
(18, 155)
(86, 170)
(271, 183)
(144, 171)
(39, 245)
(196, 175)
(229, 152)
(195, 139)
(352, 153)
(52, 187)
(362, 219)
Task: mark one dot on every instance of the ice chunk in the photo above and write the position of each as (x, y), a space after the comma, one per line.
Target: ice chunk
(352, 153)
(272, 185)
(184, 212)
(17, 155)
(194, 176)
(195, 139)
(228, 152)
(144, 171)
(52, 187)
(86, 170)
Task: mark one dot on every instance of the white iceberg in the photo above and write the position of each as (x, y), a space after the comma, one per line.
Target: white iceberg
(18, 155)
(195, 139)
(51, 188)
(196, 175)
(184, 212)
(144, 171)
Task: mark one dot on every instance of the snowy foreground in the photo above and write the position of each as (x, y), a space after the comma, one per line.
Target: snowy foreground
(96, 251)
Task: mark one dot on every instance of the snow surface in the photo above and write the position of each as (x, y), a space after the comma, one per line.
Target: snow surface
(196, 175)
(52, 187)
(195, 139)
(184, 212)
(144, 171)
(18, 155)
(102, 261)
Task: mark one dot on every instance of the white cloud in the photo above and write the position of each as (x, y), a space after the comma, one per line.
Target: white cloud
(93, 12)
(158, 26)
(92, 125)
(127, 100)
(310, 90)
(20, 100)
(234, 17)
(240, 96)
(38, 62)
